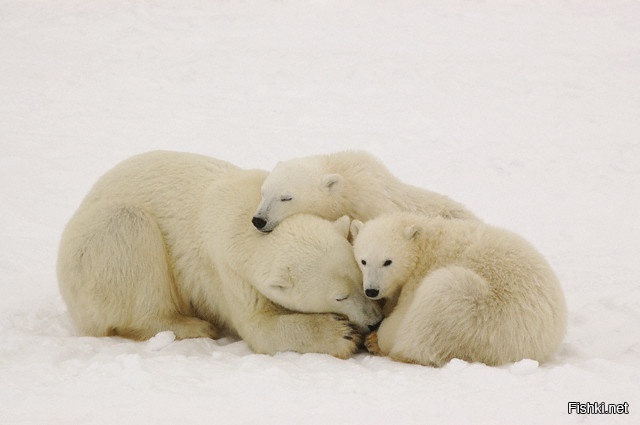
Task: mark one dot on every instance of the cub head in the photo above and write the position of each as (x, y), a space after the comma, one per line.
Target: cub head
(314, 271)
(296, 186)
(385, 251)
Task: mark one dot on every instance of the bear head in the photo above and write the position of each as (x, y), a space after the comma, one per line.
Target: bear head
(386, 252)
(315, 271)
(297, 186)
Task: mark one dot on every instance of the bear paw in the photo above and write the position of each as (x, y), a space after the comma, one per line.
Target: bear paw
(371, 343)
(343, 339)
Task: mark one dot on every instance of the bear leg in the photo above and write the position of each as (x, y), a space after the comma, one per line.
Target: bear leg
(446, 319)
(115, 276)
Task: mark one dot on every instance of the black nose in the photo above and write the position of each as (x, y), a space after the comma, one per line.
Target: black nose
(371, 293)
(374, 327)
(259, 222)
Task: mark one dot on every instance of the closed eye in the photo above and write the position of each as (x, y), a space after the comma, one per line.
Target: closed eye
(342, 298)
(387, 263)
(286, 198)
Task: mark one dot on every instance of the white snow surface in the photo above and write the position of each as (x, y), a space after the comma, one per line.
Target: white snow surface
(526, 112)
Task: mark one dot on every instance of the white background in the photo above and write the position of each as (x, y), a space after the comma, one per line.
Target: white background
(526, 112)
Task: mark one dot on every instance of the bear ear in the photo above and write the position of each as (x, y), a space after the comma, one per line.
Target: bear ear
(356, 225)
(412, 231)
(331, 183)
(342, 225)
(278, 283)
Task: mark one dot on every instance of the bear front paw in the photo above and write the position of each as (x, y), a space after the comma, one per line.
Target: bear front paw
(351, 332)
(371, 343)
(343, 339)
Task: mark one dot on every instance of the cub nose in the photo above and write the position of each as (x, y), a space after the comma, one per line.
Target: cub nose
(371, 293)
(259, 222)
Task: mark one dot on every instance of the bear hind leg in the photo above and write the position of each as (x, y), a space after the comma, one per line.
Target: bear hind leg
(183, 327)
(445, 319)
(115, 276)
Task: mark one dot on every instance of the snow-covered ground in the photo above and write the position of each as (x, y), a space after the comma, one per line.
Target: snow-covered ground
(527, 112)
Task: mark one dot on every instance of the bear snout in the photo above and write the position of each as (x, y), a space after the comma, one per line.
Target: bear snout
(371, 293)
(374, 327)
(259, 222)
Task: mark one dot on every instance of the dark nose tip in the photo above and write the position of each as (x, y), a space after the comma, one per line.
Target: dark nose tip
(374, 327)
(371, 293)
(259, 222)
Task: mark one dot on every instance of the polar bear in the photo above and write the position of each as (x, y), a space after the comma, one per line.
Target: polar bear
(354, 183)
(325, 276)
(137, 258)
(458, 289)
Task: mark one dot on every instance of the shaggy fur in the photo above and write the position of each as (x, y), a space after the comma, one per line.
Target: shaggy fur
(458, 289)
(141, 256)
(352, 182)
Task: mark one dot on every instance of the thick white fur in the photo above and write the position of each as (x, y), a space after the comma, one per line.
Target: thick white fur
(136, 259)
(305, 265)
(459, 289)
(354, 183)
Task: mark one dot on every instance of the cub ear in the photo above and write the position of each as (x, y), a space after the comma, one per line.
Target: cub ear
(332, 183)
(412, 231)
(342, 225)
(356, 225)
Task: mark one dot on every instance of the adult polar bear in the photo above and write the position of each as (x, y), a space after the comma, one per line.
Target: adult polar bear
(458, 289)
(351, 182)
(138, 258)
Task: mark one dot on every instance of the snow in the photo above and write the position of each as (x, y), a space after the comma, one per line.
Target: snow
(527, 112)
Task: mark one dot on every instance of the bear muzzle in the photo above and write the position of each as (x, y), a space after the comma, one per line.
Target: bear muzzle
(375, 326)
(259, 223)
(372, 293)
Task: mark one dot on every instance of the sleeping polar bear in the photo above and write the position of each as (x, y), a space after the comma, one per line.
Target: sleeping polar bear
(141, 256)
(354, 183)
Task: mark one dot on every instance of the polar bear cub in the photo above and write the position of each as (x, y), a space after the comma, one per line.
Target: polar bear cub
(351, 182)
(141, 256)
(458, 289)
